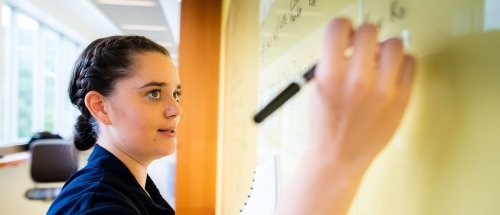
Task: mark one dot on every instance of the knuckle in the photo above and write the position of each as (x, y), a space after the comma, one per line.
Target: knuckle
(394, 43)
(386, 95)
(362, 85)
(340, 23)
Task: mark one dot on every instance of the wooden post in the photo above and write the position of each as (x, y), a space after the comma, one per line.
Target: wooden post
(199, 70)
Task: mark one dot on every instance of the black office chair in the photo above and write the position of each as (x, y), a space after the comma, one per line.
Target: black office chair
(52, 160)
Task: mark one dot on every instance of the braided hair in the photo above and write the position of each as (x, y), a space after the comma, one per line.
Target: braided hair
(98, 68)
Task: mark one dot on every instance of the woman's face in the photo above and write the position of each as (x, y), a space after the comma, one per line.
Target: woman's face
(144, 108)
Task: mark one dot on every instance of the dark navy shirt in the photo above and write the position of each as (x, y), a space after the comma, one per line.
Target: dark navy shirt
(106, 186)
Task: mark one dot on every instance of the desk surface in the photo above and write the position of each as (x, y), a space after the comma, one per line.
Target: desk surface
(14, 159)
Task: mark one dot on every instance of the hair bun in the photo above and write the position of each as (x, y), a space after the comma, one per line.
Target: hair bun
(84, 137)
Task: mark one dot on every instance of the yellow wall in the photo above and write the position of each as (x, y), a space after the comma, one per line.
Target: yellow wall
(14, 182)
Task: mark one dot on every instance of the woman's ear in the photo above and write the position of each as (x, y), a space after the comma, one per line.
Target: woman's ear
(95, 103)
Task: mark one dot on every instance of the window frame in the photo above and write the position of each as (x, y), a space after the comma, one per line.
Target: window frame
(10, 81)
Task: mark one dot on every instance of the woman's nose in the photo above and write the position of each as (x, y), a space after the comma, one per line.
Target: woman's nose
(173, 108)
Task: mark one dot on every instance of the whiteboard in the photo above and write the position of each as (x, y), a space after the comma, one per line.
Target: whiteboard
(448, 142)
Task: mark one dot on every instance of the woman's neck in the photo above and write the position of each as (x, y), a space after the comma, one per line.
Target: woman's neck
(138, 169)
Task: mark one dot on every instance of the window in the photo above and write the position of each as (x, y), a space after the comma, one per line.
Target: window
(37, 61)
(26, 45)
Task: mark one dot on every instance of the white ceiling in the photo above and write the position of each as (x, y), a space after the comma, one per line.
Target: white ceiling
(155, 19)
(87, 20)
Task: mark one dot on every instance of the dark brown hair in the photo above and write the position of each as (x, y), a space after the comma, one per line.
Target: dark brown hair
(98, 68)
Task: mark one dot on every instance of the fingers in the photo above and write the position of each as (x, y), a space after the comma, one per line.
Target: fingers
(365, 49)
(371, 64)
(390, 64)
(336, 41)
(406, 77)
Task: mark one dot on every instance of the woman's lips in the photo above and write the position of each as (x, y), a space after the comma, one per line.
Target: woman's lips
(168, 132)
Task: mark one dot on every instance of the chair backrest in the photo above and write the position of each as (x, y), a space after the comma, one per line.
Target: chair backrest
(53, 160)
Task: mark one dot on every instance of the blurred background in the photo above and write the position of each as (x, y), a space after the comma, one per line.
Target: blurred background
(40, 40)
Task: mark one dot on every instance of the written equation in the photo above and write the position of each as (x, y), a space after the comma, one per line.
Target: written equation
(286, 16)
(383, 13)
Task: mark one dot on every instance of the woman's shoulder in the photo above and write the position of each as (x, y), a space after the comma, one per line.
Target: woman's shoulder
(92, 189)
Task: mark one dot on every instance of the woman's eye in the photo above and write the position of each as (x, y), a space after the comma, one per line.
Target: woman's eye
(155, 94)
(177, 95)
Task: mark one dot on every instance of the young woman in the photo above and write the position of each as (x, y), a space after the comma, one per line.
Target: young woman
(127, 90)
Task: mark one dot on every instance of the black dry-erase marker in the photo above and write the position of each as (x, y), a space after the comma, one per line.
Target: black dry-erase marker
(286, 94)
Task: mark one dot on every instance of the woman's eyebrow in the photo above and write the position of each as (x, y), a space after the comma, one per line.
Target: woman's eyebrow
(154, 84)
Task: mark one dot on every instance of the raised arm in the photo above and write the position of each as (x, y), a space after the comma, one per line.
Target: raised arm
(357, 103)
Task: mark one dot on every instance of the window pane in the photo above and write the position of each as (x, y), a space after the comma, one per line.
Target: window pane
(49, 103)
(25, 93)
(6, 18)
(67, 113)
(50, 47)
(51, 44)
(33, 78)
(27, 30)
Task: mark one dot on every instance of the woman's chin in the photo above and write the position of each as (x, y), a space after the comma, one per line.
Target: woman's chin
(168, 149)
